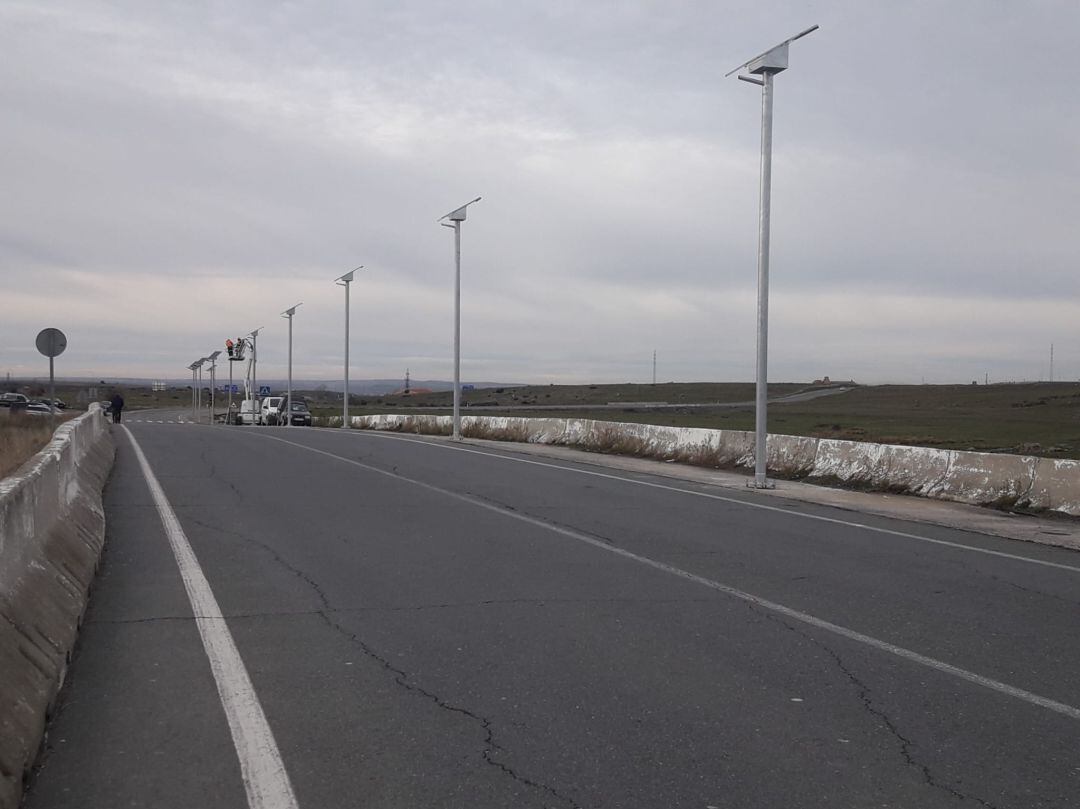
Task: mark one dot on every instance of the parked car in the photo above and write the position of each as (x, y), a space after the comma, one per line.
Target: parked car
(14, 401)
(39, 409)
(271, 410)
(299, 414)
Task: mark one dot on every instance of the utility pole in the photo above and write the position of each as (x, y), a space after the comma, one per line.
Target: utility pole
(1051, 362)
(654, 367)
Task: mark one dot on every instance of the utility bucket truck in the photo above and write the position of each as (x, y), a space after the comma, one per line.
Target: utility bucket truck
(250, 407)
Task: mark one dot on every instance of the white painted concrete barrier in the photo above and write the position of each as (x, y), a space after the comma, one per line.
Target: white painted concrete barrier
(52, 528)
(969, 477)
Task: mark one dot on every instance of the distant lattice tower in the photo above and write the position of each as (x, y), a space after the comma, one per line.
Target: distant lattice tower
(406, 381)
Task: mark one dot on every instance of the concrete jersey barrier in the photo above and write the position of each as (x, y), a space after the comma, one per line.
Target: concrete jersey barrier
(981, 478)
(52, 528)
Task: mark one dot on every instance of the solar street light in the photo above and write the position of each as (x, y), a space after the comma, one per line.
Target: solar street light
(194, 387)
(456, 217)
(289, 314)
(196, 384)
(212, 359)
(344, 281)
(766, 65)
(254, 335)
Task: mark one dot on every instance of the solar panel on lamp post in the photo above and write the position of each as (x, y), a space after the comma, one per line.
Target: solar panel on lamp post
(289, 314)
(456, 217)
(765, 65)
(345, 280)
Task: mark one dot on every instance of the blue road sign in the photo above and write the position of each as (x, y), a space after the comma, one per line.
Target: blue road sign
(264, 390)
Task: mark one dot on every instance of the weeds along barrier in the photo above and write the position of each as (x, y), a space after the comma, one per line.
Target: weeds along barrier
(52, 528)
(981, 478)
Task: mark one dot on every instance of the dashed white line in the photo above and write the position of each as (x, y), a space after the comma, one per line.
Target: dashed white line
(899, 651)
(710, 496)
(265, 779)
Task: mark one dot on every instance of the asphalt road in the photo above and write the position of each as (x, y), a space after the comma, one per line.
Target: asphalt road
(420, 624)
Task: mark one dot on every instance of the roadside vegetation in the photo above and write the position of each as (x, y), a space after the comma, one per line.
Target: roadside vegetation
(1037, 418)
(21, 438)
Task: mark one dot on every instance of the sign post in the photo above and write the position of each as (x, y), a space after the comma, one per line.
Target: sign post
(51, 343)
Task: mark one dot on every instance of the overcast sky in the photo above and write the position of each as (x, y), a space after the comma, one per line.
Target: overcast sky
(176, 173)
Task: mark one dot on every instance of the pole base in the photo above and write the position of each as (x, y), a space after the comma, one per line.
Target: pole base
(760, 483)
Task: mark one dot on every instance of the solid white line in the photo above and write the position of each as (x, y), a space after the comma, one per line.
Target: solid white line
(265, 779)
(788, 612)
(722, 498)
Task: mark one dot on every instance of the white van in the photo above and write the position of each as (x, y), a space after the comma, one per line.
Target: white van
(270, 412)
(249, 412)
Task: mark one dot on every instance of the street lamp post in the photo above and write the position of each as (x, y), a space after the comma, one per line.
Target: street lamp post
(254, 335)
(456, 217)
(344, 281)
(288, 313)
(194, 388)
(765, 65)
(198, 398)
(213, 380)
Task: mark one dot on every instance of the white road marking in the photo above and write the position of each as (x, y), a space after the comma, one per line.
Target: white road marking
(265, 779)
(788, 612)
(722, 498)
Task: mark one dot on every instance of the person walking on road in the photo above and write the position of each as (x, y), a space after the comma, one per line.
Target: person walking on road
(116, 406)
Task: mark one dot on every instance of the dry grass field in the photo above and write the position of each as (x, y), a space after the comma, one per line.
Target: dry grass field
(1031, 418)
(22, 437)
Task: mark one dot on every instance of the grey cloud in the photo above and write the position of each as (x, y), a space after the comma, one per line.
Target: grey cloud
(253, 148)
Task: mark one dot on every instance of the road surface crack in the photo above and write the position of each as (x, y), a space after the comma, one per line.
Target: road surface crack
(402, 677)
(865, 697)
(1034, 591)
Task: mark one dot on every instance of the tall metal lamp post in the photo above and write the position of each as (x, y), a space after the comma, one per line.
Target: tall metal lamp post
(254, 335)
(194, 376)
(196, 394)
(765, 65)
(288, 313)
(212, 359)
(456, 217)
(344, 281)
(200, 363)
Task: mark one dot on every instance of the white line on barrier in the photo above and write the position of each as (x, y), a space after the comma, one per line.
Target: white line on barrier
(788, 612)
(265, 779)
(749, 504)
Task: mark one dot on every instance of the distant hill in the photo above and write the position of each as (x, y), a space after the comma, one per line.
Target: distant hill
(368, 387)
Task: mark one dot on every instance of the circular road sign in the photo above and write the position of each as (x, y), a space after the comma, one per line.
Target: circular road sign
(51, 342)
